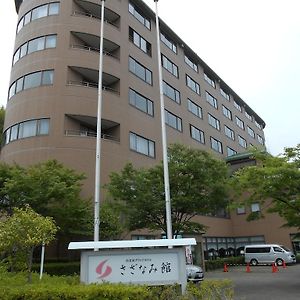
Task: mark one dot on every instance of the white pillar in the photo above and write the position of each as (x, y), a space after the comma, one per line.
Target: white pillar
(98, 138)
(163, 132)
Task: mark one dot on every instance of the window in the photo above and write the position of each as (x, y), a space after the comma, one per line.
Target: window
(139, 41)
(211, 100)
(140, 71)
(142, 145)
(209, 80)
(241, 210)
(260, 139)
(31, 81)
(171, 92)
(39, 12)
(197, 134)
(192, 84)
(139, 16)
(239, 122)
(213, 122)
(231, 152)
(248, 116)
(250, 131)
(226, 112)
(140, 102)
(194, 108)
(27, 129)
(237, 106)
(168, 65)
(224, 94)
(191, 63)
(255, 207)
(168, 42)
(216, 145)
(173, 121)
(14, 132)
(242, 142)
(258, 125)
(43, 127)
(42, 11)
(229, 132)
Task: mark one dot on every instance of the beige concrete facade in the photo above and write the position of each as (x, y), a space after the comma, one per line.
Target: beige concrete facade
(68, 101)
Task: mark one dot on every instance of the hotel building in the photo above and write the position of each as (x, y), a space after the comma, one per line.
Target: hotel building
(52, 101)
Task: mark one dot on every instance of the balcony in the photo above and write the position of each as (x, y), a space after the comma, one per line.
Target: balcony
(90, 42)
(78, 76)
(91, 10)
(86, 126)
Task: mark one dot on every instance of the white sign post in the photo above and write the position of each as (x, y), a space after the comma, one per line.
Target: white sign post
(148, 262)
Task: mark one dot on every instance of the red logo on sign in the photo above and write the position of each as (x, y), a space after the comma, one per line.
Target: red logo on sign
(99, 270)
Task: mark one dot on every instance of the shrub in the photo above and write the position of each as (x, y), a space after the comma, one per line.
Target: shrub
(13, 286)
(59, 268)
(219, 262)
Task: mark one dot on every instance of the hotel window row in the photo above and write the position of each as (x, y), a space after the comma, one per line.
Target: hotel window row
(37, 13)
(27, 129)
(37, 44)
(31, 81)
(140, 71)
(169, 66)
(140, 42)
(192, 84)
(139, 16)
(140, 102)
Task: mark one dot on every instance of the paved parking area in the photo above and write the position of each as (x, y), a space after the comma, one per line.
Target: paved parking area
(261, 283)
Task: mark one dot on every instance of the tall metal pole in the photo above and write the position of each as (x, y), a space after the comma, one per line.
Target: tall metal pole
(98, 138)
(163, 132)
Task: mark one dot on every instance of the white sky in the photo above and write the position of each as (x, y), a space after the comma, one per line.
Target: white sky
(253, 45)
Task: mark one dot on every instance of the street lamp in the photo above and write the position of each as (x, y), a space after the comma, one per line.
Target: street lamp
(163, 132)
(98, 137)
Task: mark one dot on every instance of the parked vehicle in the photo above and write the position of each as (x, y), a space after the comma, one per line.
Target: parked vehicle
(268, 254)
(194, 273)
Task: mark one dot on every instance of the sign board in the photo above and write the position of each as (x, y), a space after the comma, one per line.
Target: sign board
(139, 266)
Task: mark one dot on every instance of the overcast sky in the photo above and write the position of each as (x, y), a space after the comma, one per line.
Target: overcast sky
(253, 45)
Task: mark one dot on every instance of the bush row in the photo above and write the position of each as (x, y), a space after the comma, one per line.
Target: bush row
(14, 287)
(59, 268)
(219, 262)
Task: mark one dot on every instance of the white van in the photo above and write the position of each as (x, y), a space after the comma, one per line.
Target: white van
(268, 254)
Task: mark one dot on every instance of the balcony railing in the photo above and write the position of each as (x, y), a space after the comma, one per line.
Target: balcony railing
(85, 133)
(93, 49)
(91, 16)
(92, 85)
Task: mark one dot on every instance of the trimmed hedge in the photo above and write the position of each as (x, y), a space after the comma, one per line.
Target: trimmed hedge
(219, 262)
(59, 268)
(14, 287)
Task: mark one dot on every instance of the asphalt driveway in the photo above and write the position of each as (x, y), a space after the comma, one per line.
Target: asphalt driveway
(261, 283)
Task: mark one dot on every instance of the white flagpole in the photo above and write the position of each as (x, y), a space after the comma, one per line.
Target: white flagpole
(163, 132)
(98, 138)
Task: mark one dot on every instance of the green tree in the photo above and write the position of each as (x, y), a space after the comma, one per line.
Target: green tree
(110, 225)
(197, 184)
(273, 181)
(51, 190)
(23, 231)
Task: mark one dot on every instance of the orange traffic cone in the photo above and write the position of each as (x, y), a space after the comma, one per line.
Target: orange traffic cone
(274, 268)
(248, 270)
(283, 264)
(225, 268)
